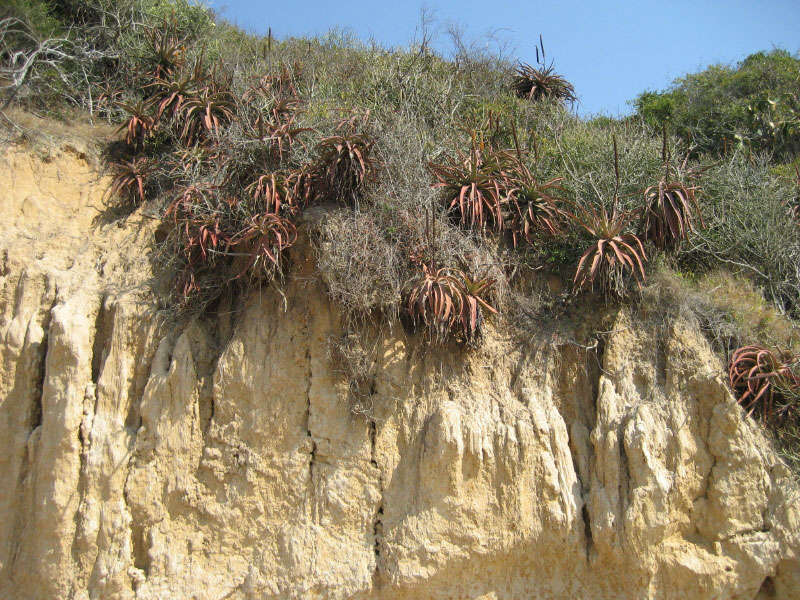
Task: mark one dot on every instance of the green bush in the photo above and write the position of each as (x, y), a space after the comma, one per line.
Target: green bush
(37, 14)
(191, 18)
(753, 105)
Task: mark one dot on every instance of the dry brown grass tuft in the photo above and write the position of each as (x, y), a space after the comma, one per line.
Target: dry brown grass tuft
(362, 269)
(729, 307)
(756, 318)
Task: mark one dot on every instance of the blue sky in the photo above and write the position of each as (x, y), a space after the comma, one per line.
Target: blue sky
(610, 50)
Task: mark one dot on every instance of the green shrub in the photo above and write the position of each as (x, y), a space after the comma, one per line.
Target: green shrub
(37, 14)
(752, 105)
(192, 18)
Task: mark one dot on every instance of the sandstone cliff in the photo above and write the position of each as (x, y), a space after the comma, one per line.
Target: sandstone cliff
(222, 459)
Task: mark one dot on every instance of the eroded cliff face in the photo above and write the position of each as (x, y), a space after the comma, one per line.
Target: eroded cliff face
(222, 459)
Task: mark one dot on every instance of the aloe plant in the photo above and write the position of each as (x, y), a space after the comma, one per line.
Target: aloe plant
(280, 131)
(167, 49)
(764, 380)
(282, 191)
(446, 300)
(263, 241)
(541, 82)
(534, 206)
(140, 123)
(130, 179)
(670, 209)
(346, 162)
(171, 93)
(473, 185)
(205, 113)
(612, 253)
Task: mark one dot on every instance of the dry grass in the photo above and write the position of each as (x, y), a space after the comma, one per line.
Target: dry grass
(787, 442)
(362, 269)
(756, 318)
(731, 310)
(23, 126)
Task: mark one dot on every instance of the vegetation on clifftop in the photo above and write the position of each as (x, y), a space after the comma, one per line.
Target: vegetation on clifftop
(450, 184)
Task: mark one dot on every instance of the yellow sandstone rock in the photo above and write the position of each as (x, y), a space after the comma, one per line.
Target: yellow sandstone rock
(146, 460)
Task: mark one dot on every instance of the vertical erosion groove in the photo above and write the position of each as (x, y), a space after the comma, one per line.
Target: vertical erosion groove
(313, 453)
(599, 357)
(35, 418)
(587, 530)
(138, 528)
(141, 558)
(211, 409)
(767, 589)
(377, 525)
(99, 344)
(624, 467)
(98, 356)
